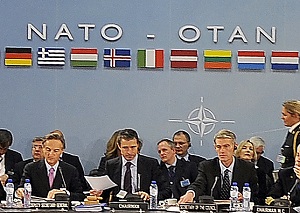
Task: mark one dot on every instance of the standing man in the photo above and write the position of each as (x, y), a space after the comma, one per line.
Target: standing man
(133, 172)
(37, 154)
(179, 173)
(182, 141)
(8, 157)
(291, 118)
(51, 176)
(215, 176)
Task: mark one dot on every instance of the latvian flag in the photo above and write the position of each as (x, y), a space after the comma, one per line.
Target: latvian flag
(150, 58)
(251, 60)
(18, 56)
(184, 58)
(217, 59)
(117, 58)
(51, 56)
(84, 57)
(285, 60)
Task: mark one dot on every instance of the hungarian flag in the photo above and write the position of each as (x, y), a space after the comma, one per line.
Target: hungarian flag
(184, 58)
(217, 59)
(251, 60)
(18, 56)
(285, 60)
(84, 57)
(150, 58)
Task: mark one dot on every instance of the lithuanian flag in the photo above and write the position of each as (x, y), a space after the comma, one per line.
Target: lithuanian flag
(18, 56)
(217, 59)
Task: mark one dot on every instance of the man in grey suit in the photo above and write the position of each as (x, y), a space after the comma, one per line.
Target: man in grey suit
(212, 174)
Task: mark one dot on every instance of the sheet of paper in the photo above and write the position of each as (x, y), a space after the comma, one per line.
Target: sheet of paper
(100, 183)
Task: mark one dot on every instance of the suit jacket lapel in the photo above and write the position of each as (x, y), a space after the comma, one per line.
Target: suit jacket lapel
(42, 170)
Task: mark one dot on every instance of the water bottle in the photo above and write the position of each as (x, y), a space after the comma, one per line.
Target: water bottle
(234, 193)
(153, 195)
(246, 197)
(27, 193)
(9, 188)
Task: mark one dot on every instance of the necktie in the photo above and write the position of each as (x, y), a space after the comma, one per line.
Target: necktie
(1, 159)
(225, 190)
(127, 178)
(51, 177)
(171, 171)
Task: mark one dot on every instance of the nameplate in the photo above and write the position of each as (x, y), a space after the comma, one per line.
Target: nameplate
(271, 209)
(199, 207)
(50, 205)
(128, 205)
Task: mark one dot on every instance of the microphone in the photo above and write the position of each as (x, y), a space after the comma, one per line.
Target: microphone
(293, 187)
(64, 185)
(214, 185)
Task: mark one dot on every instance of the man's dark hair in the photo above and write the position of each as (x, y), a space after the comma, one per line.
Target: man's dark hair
(186, 134)
(54, 136)
(6, 138)
(128, 134)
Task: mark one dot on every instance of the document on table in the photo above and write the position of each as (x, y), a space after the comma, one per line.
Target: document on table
(100, 183)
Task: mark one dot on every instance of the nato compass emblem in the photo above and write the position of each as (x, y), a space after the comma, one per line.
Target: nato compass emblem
(201, 121)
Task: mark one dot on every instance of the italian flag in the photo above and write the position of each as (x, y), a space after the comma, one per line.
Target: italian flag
(150, 58)
(84, 57)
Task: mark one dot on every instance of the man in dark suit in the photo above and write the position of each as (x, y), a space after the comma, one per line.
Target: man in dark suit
(288, 183)
(37, 154)
(133, 172)
(51, 176)
(73, 160)
(291, 118)
(8, 157)
(182, 141)
(212, 174)
(179, 173)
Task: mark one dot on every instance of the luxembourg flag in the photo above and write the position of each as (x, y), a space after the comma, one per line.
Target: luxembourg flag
(150, 58)
(285, 60)
(251, 60)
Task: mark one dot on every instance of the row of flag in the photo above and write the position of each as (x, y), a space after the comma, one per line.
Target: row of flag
(152, 58)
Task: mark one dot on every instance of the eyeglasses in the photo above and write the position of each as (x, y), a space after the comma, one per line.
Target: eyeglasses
(180, 143)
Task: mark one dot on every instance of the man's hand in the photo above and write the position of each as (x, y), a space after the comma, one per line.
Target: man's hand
(53, 192)
(3, 179)
(144, 195)
(96, 192)
(297, 171)
(187, 198)
(20, 193)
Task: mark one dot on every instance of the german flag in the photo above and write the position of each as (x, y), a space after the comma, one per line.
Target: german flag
(18, 56)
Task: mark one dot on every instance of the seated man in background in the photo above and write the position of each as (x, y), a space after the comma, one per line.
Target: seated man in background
(51, 176)
(8, 157)
(37, 154)
(73, 160)
(288, 183)
(179, 173)
(182, 141)
(215, 176)
(133, 172)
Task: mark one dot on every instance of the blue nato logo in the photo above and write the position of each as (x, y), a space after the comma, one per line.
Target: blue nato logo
(201, 120)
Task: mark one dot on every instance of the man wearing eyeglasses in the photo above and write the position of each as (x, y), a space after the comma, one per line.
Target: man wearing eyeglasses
(37, 154)
(8, 157)
(215, 176)
(51, 176)
(182, 141)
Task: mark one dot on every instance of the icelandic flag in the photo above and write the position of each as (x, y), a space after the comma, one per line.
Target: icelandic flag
(117, 58)
(285, 60)
(51, 56)
(251, 60)
(181, 58)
